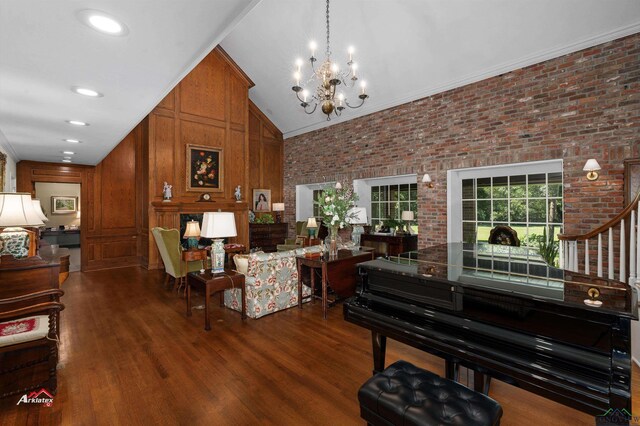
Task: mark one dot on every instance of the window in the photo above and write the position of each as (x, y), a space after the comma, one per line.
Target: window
(316, 207)
(389, 201)
(528, 199)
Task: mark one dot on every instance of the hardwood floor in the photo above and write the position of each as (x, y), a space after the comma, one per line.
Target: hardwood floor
(129, 355)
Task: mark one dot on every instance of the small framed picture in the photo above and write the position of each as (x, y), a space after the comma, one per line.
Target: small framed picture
(64, 205)
(204, 169)
(261, 200)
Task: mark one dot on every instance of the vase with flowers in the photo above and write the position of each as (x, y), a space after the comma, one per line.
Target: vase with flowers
(335, 204)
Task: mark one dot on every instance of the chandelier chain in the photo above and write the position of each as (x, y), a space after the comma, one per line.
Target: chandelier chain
(328, 48)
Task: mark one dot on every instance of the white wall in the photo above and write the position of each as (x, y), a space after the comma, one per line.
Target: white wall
(44, 192)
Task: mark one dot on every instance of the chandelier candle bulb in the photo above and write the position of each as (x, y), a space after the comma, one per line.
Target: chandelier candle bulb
(325, 79)
(364, 86)
(296, 75)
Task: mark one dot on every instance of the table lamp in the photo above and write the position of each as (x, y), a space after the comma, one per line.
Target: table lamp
(16, 209)
(192, 234)
(278, 208)
(408, 217)
(38, 208)
(218, 225)
(312, 225)
(357, 216)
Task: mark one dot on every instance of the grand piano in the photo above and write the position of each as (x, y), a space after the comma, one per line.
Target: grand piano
(502, 312)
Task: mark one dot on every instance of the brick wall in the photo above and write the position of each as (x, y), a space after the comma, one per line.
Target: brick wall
(579, 106)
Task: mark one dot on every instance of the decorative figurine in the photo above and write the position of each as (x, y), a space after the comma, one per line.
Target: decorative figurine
(238, 194)
(166, 192)
(252, 216)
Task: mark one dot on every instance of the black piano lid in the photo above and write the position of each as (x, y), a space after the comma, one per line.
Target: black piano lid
(515, 270)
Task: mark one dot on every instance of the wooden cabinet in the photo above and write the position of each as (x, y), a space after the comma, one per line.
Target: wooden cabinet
(267, 235)
(389, 245)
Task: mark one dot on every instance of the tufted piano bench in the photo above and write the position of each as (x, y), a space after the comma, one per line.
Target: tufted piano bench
(404, 394)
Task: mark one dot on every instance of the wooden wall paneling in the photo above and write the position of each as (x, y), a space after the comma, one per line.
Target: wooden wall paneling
(142, 193)
(236, 160)
(238, 100)
(169, 101)
(272, 168)
(118, 204)
(162, 159)
(201, 88)
(255, 154)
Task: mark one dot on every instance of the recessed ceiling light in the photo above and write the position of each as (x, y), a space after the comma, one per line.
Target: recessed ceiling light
(67, 158)
(72, 140)
(77, 123)
(86, 92)
(103, 22)
(68, 152)
(66, 161)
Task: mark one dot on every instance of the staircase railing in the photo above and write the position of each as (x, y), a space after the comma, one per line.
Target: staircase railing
(627, 221)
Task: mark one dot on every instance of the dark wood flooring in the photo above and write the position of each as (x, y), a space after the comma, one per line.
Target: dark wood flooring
(130, 356)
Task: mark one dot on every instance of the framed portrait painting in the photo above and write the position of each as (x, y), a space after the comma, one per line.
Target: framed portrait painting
(63, 205)
(261, 200)
(204, 169)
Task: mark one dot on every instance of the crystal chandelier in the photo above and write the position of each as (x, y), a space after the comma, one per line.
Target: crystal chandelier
(327, 78)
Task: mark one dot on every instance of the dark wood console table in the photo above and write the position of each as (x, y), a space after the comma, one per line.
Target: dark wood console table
(63, 238)
(267, 236)
(389, 245)
(337, 272)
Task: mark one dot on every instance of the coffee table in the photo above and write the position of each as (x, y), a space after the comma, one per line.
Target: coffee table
(214, 283)
(337, 272)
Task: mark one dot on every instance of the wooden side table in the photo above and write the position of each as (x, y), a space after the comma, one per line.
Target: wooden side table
(214, 283)
(190, 256)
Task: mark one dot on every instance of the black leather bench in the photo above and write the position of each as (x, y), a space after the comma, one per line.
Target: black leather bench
(404, 394)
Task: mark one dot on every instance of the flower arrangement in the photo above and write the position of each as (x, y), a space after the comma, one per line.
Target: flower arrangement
(335, 203)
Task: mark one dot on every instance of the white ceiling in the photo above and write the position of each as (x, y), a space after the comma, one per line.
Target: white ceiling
(409, 49)
(406, 49)
(45, 49)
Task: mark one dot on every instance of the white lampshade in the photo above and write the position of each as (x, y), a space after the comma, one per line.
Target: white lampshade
(16, 209)
(218, 225)
(278, 207)
(426, 178)
(38, 208)
(311, 223)
(591, 165)
(338, 185)
(193, 229)
(407, 215)
(358, 215)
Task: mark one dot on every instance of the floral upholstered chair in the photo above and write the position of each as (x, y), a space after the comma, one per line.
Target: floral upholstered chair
(271, 282)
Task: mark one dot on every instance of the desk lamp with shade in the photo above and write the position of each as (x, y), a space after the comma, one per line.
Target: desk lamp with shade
(312, 225)
(357, 216)
(218, 225)
(17, 210)
(278, 208)
(408, 217)
(192, 234)
(38, 208)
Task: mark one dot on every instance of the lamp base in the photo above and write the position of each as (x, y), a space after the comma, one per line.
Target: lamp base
(217, 256)
(592, 175)
(192, 243)
(312, 232)
(357, 231)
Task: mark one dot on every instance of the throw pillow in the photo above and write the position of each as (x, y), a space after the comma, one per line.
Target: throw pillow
(242, 263)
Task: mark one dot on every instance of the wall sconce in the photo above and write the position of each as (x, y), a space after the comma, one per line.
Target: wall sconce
(591, 166)
(427, 179)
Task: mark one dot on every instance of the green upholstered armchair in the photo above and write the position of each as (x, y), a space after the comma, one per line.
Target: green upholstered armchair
(298, 241)
(168, 242)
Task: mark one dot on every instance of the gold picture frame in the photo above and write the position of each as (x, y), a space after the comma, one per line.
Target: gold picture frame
(205, 169)
(61, 204)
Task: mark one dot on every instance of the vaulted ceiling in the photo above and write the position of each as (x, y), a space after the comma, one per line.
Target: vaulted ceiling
(406, 50)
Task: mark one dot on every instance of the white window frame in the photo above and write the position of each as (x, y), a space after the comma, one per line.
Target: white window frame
(456, 176)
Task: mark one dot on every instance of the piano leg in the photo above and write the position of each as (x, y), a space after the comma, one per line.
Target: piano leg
(379, 346)
(451, 369)
(481, 382)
